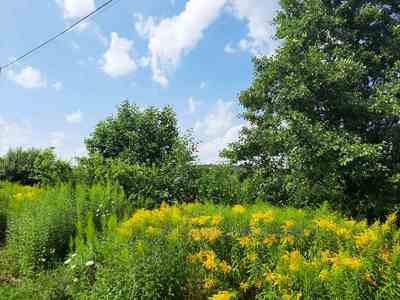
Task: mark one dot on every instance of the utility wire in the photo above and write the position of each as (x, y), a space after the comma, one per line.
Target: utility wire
(69, 28)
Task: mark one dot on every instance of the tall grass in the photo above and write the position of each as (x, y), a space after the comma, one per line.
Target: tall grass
(41, 222)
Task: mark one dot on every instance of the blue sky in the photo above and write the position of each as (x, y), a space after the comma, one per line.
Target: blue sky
(194, 55)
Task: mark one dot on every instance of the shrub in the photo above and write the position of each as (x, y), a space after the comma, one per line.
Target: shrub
(221, 184)
(144, 185)
(32, 166)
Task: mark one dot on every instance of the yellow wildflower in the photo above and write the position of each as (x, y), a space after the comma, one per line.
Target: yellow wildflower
(244, 286)
(238, 209)
(323, 275)
(209, 283)
(209, 259)
(224, 295)
(216, 220)
(364, 239)
(224, 267)
(347, 261)
(245, 241)
(384, 254)
(270, 239)
(274, 278)
(201, 220)
(259, 217)
(288, 239)
(325, 224)
(287, 225)
(343, 232)
(205, 234)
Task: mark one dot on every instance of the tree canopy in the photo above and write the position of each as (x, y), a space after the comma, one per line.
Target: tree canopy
(147, 137)
(325, 108)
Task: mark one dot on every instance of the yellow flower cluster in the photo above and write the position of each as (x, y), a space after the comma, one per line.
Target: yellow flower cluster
(210, 261)
(205, 234)
(264, 247)
(26, 193)
(224, 295)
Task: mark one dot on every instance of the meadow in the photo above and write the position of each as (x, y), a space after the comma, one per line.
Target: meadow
(81, 242)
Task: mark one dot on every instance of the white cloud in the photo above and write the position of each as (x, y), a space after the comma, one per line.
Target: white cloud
(218, 121)
(230, 49)
(29, 78)
(218, 129)
(117, 60)
(14, 134)
(209, 151)
(259, 17)
(172, 38)
(193, 105)
(58, 86)
(144, 25)
(74, 118)
(76, 8)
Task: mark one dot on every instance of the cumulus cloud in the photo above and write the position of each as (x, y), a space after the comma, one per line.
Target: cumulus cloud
(28, 77)
(209, 151)
(193, 105)
(216, 131)
(117, 60)
(259, 17)
(76, 8)
(218, 121)
(14, 134)
(172, 38)
(74, 118)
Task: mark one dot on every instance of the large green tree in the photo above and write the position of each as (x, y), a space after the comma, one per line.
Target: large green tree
(150, 136)
(324, 110)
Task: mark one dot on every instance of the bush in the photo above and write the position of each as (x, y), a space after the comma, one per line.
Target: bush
(256, 252)
(221, 184)
(144, 185)
(32, 166)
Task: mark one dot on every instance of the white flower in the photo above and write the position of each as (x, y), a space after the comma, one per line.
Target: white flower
(90, 263)
(67, 261)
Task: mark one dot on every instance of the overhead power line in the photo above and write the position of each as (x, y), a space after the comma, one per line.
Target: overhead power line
(69, 28)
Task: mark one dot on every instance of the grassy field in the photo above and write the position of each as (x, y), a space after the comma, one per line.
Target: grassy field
(87, 243)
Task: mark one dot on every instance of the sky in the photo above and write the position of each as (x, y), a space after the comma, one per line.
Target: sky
(195, 55)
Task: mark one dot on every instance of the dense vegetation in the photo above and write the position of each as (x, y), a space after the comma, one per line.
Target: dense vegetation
(75, 243)
(305, 208)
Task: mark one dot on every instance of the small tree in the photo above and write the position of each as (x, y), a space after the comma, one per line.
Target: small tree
(325, 109)
(144, 152)
(139, 137)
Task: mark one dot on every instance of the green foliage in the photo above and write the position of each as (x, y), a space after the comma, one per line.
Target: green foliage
(138, 137)
(40, 225)
(145, 185)
(221, 184)
(324, 110)
(33, 166)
